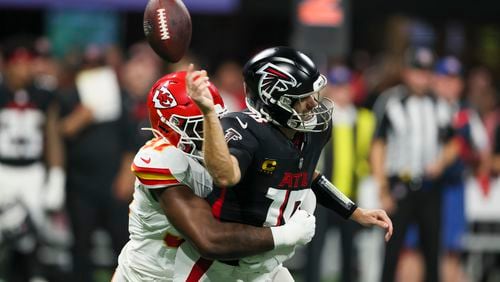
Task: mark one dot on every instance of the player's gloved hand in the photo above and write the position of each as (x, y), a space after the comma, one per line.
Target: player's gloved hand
(54, 192)
(309, 203)
(298, 230)
(266, 262)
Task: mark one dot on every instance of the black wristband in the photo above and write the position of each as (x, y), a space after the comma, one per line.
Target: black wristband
(330, 197)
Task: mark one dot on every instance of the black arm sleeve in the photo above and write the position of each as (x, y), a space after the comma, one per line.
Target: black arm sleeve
(330, 197)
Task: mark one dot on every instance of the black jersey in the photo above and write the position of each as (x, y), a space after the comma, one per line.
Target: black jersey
(22, 122)
(276, 173)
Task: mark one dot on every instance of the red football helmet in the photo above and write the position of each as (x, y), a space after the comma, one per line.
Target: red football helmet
(176, 116)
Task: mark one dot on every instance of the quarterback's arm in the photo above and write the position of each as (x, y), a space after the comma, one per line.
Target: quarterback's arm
(223, 167)
(192, 217)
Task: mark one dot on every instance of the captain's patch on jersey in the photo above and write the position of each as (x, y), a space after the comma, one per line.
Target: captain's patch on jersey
(163, 99)
(268, 166)
(232, 134)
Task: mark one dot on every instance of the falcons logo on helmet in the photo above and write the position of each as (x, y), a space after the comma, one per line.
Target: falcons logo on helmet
(163, 99)
(274, 79)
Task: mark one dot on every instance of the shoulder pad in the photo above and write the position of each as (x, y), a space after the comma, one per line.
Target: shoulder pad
(245, 119)
(159, 163)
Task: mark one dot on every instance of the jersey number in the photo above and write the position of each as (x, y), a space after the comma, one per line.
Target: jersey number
(285, 203)
(21, 134)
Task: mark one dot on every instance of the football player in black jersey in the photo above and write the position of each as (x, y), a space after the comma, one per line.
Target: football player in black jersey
(31, 174)
(267, 169)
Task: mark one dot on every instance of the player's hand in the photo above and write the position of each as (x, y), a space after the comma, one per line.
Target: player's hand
(54, 193)
(298, 230)
(377, 217)
(197, 83)
(304, 224)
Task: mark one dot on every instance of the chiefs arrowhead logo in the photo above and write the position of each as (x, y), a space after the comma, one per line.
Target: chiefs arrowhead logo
(274, 79)
(163, 98)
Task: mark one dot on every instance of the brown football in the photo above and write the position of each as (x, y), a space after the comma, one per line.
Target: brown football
(167, 26)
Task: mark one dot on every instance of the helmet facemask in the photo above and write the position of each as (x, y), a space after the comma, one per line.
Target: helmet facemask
(281, 111)
(190, 131)
(315, 120)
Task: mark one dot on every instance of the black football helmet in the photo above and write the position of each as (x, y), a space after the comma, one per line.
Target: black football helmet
(277, 78)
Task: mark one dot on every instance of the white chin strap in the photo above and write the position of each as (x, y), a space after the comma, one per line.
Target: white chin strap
(311, 123)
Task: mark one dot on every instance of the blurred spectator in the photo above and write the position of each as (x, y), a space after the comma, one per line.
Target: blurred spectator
(385, 73)
(183, 64)
(471, 136)
(473, 159)
(345, 162)
(482, 95)
(490, 259)
(409, 154)
(45, 68)
(99, 153)
(361, 62)
(113, 57)
(1, 66)
(140, 71)
(229, 81)
(31, 159)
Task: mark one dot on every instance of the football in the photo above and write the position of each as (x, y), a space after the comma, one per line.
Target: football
(167, 26)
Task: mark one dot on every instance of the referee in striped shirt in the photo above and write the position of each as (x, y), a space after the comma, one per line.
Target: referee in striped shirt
(413, 144)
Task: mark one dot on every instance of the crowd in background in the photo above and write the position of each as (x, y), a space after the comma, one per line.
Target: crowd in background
(432, 122)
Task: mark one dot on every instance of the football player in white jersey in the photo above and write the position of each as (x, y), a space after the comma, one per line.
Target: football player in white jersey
(168, 208)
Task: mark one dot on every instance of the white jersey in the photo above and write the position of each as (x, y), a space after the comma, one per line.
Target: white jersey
(150, 253)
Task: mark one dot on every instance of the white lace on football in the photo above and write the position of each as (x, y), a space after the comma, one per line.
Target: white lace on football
(162, 22)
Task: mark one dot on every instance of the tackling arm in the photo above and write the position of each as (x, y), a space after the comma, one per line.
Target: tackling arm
(192, 217)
